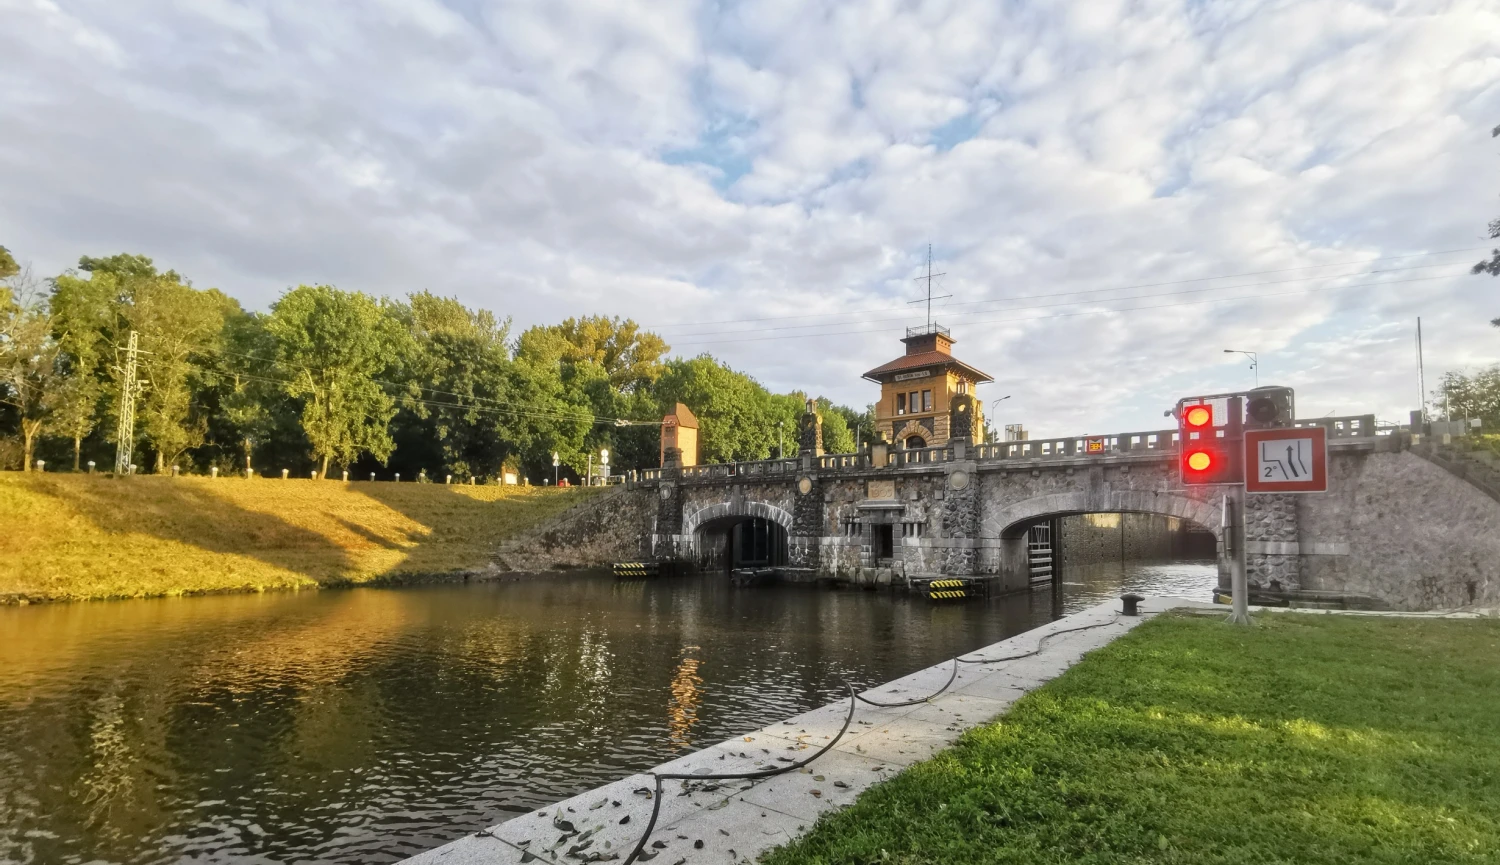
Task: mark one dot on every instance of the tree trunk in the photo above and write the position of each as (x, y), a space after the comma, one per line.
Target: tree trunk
(247, 454)
(29, 431)
(161, 462)
(324, 472)
(77, 446)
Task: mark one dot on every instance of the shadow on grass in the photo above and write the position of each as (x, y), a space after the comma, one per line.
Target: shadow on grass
(195, 516)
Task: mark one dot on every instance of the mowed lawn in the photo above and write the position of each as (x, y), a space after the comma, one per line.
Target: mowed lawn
(1307, 739)
(73, 537)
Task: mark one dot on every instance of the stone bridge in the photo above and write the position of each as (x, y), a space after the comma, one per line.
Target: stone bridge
(1392, 526)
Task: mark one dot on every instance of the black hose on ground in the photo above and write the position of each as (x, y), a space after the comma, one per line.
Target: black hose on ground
(732, 776)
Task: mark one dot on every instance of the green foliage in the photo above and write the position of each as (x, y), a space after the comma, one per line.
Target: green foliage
(1309, 739)
(8, 265)
(333, 345)
(333, 376)
(1471, 396)
(29, 374)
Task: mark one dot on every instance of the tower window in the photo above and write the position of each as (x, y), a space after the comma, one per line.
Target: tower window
(926, 400)
(913, 403)
(900, 403)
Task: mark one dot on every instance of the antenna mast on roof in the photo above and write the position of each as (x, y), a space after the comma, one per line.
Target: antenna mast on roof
(929, 277)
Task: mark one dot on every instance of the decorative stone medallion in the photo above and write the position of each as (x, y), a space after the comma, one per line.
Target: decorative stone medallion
(666, 492)
(804, 486)
(958, 480)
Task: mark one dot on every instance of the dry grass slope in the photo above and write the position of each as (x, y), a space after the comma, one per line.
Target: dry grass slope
(75, 537)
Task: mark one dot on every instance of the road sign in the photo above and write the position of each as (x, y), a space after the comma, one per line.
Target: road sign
(1286, 460)
(1094, 445)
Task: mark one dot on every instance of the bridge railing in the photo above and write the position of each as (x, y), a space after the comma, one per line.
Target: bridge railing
(1147, 441)
(1347, 426)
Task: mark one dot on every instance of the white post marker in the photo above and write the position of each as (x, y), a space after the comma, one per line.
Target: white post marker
(1286, 460)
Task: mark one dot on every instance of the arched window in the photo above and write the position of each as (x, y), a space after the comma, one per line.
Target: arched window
(915, 442)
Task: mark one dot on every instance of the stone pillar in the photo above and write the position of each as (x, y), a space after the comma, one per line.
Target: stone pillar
(807, 521)
(1272, 560)
(960, 527)
(810, 431)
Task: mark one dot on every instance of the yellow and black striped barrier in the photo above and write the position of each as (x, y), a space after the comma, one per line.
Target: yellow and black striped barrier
(943, 590)
(635, 570)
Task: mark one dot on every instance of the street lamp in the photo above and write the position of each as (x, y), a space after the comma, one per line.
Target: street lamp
(780, 439)
(996, 402)
(604, 465)
(1254, 361)
(554, 468)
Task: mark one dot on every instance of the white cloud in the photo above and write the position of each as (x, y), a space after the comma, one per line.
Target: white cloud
(691, 163)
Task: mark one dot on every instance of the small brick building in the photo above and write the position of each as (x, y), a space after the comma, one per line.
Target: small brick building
(917, 389)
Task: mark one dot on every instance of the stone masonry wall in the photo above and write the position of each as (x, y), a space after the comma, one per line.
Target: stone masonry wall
(1271, 561)
(614, 527)
(1398, 528)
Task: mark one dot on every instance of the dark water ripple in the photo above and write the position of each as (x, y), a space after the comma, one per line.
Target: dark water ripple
(364, 726)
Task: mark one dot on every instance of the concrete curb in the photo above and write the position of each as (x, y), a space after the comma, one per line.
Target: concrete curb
(735, 821)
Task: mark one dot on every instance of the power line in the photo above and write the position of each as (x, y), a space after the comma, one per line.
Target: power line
(1101, 311)
(669, 325)
(1100, 300)
(535, 411)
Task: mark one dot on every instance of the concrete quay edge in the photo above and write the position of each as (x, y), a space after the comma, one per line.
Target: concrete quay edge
(736, 821)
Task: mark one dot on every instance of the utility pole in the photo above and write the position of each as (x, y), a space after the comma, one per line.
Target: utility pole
(1421, 374)
(130, 388)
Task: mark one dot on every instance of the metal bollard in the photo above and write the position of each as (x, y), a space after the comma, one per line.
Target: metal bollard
(1130, 601)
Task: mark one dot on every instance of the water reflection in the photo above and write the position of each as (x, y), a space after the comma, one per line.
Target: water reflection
(366, 725)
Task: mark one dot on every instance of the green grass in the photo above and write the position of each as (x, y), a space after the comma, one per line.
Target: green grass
(79, 537)
(1308, 739)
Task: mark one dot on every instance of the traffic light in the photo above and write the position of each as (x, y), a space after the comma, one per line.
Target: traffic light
(1204, 458)
(1269, 408)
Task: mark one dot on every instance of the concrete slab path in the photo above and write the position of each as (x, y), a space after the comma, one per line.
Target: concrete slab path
(705, 822)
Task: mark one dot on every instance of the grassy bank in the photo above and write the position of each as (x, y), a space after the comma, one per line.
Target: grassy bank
(71, 537)
(1328, 739)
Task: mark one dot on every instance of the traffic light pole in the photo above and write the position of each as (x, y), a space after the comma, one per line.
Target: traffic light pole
(1234, 551)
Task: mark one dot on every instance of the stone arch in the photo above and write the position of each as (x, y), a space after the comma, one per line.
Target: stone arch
(917, 429)
(738, 509)
(1011, 520)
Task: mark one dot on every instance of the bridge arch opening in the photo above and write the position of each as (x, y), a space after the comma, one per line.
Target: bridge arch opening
(740, 534)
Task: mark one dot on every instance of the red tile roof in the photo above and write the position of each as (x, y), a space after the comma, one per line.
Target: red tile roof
(924, 359)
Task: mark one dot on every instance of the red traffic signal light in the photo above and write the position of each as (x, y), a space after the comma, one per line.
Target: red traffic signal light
(1202, 463)
(1204, 455)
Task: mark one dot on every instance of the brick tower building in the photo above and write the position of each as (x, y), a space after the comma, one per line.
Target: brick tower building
(918, 389)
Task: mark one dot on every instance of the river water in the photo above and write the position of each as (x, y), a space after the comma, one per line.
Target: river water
(365, 725)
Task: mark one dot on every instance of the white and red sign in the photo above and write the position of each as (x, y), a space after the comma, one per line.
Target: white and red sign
(1286, 460)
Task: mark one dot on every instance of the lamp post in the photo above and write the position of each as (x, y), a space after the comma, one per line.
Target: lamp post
(780, 439)
(997, 402)
(1254, 361)
(554, 468)
(603, 465)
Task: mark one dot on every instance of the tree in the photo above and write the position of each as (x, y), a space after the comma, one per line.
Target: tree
(630, 357)
(837, 436)
(332, 345)
(83, 312)
(1471, 396)
(29, 375)
(460, 411)
(1491, 265)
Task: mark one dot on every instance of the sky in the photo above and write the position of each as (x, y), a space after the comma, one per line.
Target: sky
(1115, 192)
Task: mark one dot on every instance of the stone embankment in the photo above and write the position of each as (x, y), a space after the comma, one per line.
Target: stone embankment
(607, 527)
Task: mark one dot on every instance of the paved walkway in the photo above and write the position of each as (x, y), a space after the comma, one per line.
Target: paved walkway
(735, 821)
